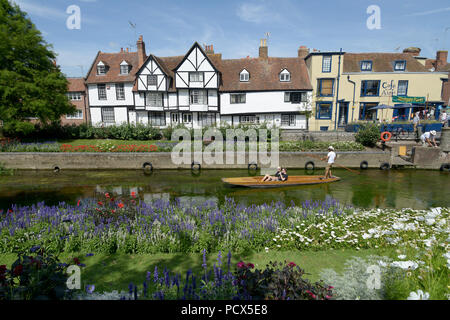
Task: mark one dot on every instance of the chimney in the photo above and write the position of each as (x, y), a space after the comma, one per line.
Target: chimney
(263, 50)
(121, 50)
(141, 50)
(303, 51)
(414, 51)
(441, 59)
(209, 49)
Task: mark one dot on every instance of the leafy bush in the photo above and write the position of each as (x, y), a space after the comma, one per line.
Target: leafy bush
(368, 134)
(35, 276)
(279, 281)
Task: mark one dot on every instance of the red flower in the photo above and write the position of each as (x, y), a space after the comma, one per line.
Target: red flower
(113, 211)
(291, 264)
(107, 195)
(76, 260)
(250, 265)
(100, 203)
(311, 294)
(133, 194)
(241, 265)
(18, 270)
(120, 205)
(78, 203)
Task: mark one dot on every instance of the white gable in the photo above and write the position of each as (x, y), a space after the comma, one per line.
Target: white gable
(195, 61)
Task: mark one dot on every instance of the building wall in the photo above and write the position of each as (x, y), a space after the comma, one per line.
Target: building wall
(80, 105)
(111, 99)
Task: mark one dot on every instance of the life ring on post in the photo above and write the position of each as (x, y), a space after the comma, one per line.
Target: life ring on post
(308, 164)
(196, 166)
(385, 166)
(445, 167)
(148, 167)
(389, 136)
(252, 166)
(364, 165)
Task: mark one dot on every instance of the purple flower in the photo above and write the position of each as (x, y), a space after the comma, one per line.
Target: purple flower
(90, 288)
(89, 255)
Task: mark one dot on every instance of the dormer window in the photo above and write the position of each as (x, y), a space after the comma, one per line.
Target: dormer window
(101, 68)
(244, 76)
(366, 65)
(285, 76)
(400, 65)
(124, 68)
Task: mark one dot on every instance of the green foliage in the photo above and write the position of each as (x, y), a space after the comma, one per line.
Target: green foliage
(31, 85)
(279, 281)
(368, 134)
(309, 145)
(4, 171)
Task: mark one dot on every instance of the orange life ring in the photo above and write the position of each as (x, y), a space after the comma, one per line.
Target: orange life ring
(389, 136)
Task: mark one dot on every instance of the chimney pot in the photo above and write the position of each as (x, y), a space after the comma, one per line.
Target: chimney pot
(414, 51)
(263, 49)
(441, 59)
(303, 51)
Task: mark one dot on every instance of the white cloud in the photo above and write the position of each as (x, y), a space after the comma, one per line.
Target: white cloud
(39, 10)
(424, 13)
(253, 13)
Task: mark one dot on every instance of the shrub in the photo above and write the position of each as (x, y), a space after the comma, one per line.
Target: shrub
(279, 281)
(368, 134)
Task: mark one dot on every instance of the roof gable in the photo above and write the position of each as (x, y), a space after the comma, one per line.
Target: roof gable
(381, 62)
(195, 59)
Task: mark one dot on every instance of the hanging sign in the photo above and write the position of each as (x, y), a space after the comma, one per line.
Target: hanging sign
(408, 99)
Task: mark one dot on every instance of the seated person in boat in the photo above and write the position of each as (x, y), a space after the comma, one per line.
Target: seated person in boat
(272, 178)
(283, 175)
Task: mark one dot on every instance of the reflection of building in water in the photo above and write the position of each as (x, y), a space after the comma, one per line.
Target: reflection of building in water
(195, 200)
(149, 197)
(117, 190)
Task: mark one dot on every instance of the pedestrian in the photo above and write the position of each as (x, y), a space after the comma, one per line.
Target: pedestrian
(416, 120)
(330, 158)
(443, 117)
(427, 138)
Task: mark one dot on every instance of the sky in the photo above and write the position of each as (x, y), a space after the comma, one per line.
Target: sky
(235, 27)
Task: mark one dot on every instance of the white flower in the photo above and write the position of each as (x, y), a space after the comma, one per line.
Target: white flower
(267, 249)
(419, 295)
(402, 256)
(430, 221)
(405, 265)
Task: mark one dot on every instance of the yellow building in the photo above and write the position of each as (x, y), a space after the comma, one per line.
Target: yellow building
(347, 85)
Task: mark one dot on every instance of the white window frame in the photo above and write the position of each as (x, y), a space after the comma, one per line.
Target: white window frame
(101, 69)
(157, 119)
(244, 76)
(78, 115)
(237, 98)
(288, 121)
(126, 68)
(208, 119)
(154, 99)
(196, 76)
(120, 91)
(100, 91)
(74, 96)
(187, 117)
(197, 96)
(285, 76)
(249, 119)
(152, 76)
(108, 118)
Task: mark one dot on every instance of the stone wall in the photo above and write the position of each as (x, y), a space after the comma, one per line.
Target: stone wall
(332, 136)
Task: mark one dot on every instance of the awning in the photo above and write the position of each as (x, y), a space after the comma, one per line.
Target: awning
(402, 106)
(381, 106)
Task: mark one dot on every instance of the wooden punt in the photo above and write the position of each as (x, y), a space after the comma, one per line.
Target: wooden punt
(255, 182)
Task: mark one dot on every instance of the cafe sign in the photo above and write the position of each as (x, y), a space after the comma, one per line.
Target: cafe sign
(408, 99)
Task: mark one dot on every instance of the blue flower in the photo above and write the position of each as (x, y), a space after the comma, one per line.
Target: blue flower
(89, 255)
(35, 248)
(90, 288)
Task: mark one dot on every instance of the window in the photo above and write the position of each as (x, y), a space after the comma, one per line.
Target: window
(154, 99)
(77, 115)
(237, 98)
(74, 96)
(120, 91)
(366, 65)
(326, 64)
(323, 110)
(195, 76)
(157, 119)
(325, 87)
(101, 88)
(174, 117)
(288, 120)
(285, 76)
(295, 97)
(208, 119)
(249, 119)
(244, 76)
(152, 80)
(370, 88)
(365, 113)
(187, 117)
(400, 65)
(124, 69)
(197, 97)
(402, 87)
(108, 115)
(101, 70)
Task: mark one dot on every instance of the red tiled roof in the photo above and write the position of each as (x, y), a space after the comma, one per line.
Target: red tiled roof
(76, 85)
(113, 60)
(381, 62)
(264, 74)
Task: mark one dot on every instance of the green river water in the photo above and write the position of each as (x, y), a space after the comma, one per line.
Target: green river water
(416, 189)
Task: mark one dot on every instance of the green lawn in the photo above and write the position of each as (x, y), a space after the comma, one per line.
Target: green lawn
(80, 142)
(115, 272)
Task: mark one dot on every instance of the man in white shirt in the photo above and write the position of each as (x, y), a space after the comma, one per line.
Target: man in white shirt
(443, 117)
(331, 157)
(427, 138)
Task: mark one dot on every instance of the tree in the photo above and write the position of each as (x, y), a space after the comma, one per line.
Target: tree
(31, 84)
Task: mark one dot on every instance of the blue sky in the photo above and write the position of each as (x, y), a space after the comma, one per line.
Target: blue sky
(234, 27)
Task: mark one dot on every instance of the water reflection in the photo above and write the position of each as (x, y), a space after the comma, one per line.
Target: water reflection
(373, 188)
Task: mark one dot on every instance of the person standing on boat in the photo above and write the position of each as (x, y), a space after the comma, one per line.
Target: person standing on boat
(330, 158)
